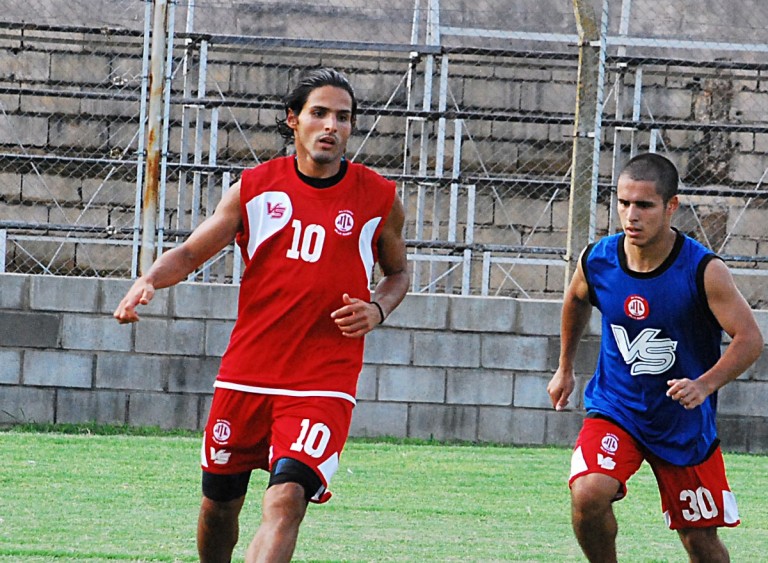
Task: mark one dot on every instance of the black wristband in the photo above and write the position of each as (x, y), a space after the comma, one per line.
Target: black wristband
(381, 311)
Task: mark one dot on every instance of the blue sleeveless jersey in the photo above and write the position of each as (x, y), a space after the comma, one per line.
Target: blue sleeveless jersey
(656, 326)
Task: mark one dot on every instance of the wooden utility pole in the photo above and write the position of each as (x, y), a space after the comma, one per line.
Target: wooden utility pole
(154, 123)
(580, 203)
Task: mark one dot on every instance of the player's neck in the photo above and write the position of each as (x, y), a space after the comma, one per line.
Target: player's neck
(650, 256)
(322, 183)
(309, 167)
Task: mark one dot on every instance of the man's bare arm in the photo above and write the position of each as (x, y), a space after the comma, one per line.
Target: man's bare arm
(736, 318)
(391, 289)
(575, 315)
(357, 317)
(213, 234)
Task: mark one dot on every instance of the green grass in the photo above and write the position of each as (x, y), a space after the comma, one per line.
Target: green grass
(92, 494)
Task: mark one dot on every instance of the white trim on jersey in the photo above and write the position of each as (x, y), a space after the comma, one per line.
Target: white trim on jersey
(366, 252)
(267, 214)
(286, 392)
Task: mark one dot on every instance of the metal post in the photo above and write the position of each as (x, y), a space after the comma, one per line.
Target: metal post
(579, 206)
(152, 175)
(598, 127)
(486, 281)
(3, 249)
(412, 64)
(433, 38)
(626, 6)
(140, 157)
(442, 105)
(202, 70)
(212, 199)
(170, 33)
(181, 204)
(636, 106)
(453, 206)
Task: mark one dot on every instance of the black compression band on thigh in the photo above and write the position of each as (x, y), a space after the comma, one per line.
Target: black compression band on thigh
(223, 488)
(288, 470)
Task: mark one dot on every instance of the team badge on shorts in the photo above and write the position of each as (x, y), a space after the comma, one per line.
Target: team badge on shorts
(610, 443)
(221, 431)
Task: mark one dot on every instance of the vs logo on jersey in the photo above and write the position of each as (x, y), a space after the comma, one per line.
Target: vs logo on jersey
(275, 210)
(647, 354)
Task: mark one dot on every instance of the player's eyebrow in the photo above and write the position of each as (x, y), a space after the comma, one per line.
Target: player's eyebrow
(638, 202)
(324, 108)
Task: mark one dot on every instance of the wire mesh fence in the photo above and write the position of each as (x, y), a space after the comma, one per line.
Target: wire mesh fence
(504, 126)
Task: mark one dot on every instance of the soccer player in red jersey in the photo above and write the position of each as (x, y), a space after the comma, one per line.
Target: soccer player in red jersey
(310, 228)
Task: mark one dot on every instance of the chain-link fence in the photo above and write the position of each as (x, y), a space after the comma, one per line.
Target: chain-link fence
(504, 125)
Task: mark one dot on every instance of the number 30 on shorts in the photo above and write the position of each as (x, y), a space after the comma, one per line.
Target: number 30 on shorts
(313, 438)
(700, 504)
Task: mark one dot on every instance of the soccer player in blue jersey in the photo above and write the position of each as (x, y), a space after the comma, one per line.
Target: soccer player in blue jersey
(665, 300)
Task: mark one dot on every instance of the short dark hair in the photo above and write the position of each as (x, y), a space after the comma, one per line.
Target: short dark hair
(309, 80)
(652, 167)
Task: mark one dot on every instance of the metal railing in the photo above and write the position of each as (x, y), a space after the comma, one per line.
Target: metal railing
(505, 142)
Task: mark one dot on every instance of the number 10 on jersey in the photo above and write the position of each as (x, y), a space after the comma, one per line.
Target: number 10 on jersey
(307, 243)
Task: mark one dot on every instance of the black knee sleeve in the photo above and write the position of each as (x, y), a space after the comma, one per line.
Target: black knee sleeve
(223, 488)
(287, 470)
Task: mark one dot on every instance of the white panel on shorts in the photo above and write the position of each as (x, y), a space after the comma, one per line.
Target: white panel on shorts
(329, 466)
(366, 238)
(731, 515)
(203, 457)
(578, 464)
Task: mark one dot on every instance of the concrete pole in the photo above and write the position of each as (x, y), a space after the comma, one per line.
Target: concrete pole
(579, 207)
(154, 126)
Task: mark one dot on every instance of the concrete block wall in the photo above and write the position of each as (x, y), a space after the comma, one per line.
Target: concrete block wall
(442, 367)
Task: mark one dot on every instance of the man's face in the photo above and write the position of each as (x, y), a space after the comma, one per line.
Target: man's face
(644, 215)
(322, 129)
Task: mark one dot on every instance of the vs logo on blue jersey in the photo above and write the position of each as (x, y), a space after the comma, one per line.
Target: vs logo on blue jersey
(647, 354)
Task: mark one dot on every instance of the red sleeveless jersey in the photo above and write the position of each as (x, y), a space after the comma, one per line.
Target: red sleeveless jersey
(303, 249)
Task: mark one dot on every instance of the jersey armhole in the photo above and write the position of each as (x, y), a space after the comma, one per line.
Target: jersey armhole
(592, 294)
(242, 234)
(390, 202)
(701, 290)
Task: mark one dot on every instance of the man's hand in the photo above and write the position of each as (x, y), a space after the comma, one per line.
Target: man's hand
(141, 293)
(689, 393)
(357, 317)
(560, 388)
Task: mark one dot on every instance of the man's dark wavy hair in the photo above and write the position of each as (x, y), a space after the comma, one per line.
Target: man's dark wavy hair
(308, 81)
(652, 167)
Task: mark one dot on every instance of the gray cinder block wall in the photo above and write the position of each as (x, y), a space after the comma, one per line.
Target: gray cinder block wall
(443, 367)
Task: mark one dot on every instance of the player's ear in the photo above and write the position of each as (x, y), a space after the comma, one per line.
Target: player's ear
(673, 204)
(291, 119)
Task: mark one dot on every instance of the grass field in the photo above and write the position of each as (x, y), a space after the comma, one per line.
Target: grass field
(90, 498)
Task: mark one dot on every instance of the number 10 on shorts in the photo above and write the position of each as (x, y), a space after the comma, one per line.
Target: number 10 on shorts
(313, 438)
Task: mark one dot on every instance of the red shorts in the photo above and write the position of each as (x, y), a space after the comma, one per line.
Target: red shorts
(696, 496)
(248, 431)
